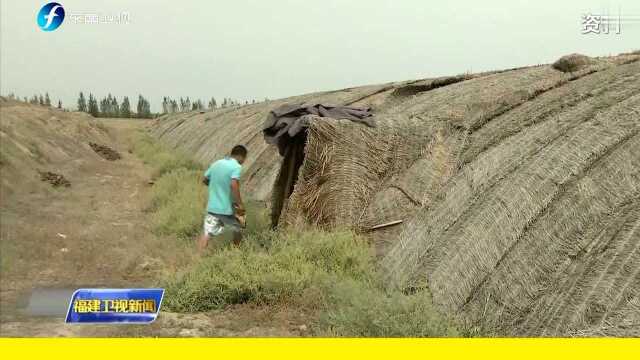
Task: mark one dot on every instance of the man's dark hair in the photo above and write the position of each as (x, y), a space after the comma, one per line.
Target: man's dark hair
(239, 150)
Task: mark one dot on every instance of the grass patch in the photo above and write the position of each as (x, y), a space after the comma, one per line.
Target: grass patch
(160, 158)
(281, 273)
(178, 202)
(364, 310)
(178, 196)
(330, 275)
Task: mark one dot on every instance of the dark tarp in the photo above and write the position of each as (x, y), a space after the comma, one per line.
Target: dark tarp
(286, 121)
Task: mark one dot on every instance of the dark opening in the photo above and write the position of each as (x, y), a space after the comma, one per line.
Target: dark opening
(288, 175)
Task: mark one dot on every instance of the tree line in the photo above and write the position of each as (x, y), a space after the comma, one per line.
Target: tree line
(106, 107)
(170, 105)
(110, 107)
(36, 100)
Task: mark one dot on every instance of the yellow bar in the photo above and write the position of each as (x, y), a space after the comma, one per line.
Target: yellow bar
(327, 349)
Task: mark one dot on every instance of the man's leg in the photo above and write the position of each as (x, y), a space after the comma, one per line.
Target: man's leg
(214, 226)
(237, 237)
(208, 227)
(231, 224)
(202, 242)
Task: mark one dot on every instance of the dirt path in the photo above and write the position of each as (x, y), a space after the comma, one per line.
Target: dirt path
(96, 233)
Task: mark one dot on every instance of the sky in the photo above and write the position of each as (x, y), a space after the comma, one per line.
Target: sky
(259, 49)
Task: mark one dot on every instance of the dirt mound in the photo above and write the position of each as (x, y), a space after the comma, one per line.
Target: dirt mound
(571, 63)
(105, 151)
(518, 190)
(54, 179)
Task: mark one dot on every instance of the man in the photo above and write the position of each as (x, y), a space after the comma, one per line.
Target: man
(225, 203)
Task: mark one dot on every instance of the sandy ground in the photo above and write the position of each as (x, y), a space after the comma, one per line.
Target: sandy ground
(97, 233)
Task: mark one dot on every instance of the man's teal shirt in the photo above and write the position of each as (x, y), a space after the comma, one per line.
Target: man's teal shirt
(220, 174)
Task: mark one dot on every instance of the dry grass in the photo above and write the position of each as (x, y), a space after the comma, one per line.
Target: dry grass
(278, 273)
(328, 276)
(161, 159)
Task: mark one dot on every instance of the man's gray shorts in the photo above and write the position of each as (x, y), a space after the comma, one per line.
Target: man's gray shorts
(216, 224)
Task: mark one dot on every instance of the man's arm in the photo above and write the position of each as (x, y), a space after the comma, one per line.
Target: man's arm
(207, 174)
(237, 199)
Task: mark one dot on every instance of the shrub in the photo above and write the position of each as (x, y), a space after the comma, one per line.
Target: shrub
(360, 309)
(177, 197)
(257, 218)
(571, 63)
(280, 274)
(177, 203)
(330, 273)
(161, 159)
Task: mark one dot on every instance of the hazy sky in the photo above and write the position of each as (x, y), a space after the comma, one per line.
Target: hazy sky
(274, 48)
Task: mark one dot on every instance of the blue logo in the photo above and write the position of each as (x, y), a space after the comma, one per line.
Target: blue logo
(50, 17)
(134, 306)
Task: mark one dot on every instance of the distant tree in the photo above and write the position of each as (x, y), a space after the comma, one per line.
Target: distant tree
(106, 107)
(144, 107)
(47, 100)
(169, 105)
(187, 104)
(125, 108)
(26, 100)
(197, 105)
(41, 100)
(93, 108)
(59, 104)
(82, 103)
(112, 110)
(212, 103)
(147, 108)
(140, 107)
(103, 107)
(107, 102)
(165, 105)
(115, 109)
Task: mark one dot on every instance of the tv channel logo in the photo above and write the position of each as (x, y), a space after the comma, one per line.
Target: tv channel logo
(50, 16)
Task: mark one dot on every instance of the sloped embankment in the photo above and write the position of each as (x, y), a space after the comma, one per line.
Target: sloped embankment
(518, 190)
(38, 139)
